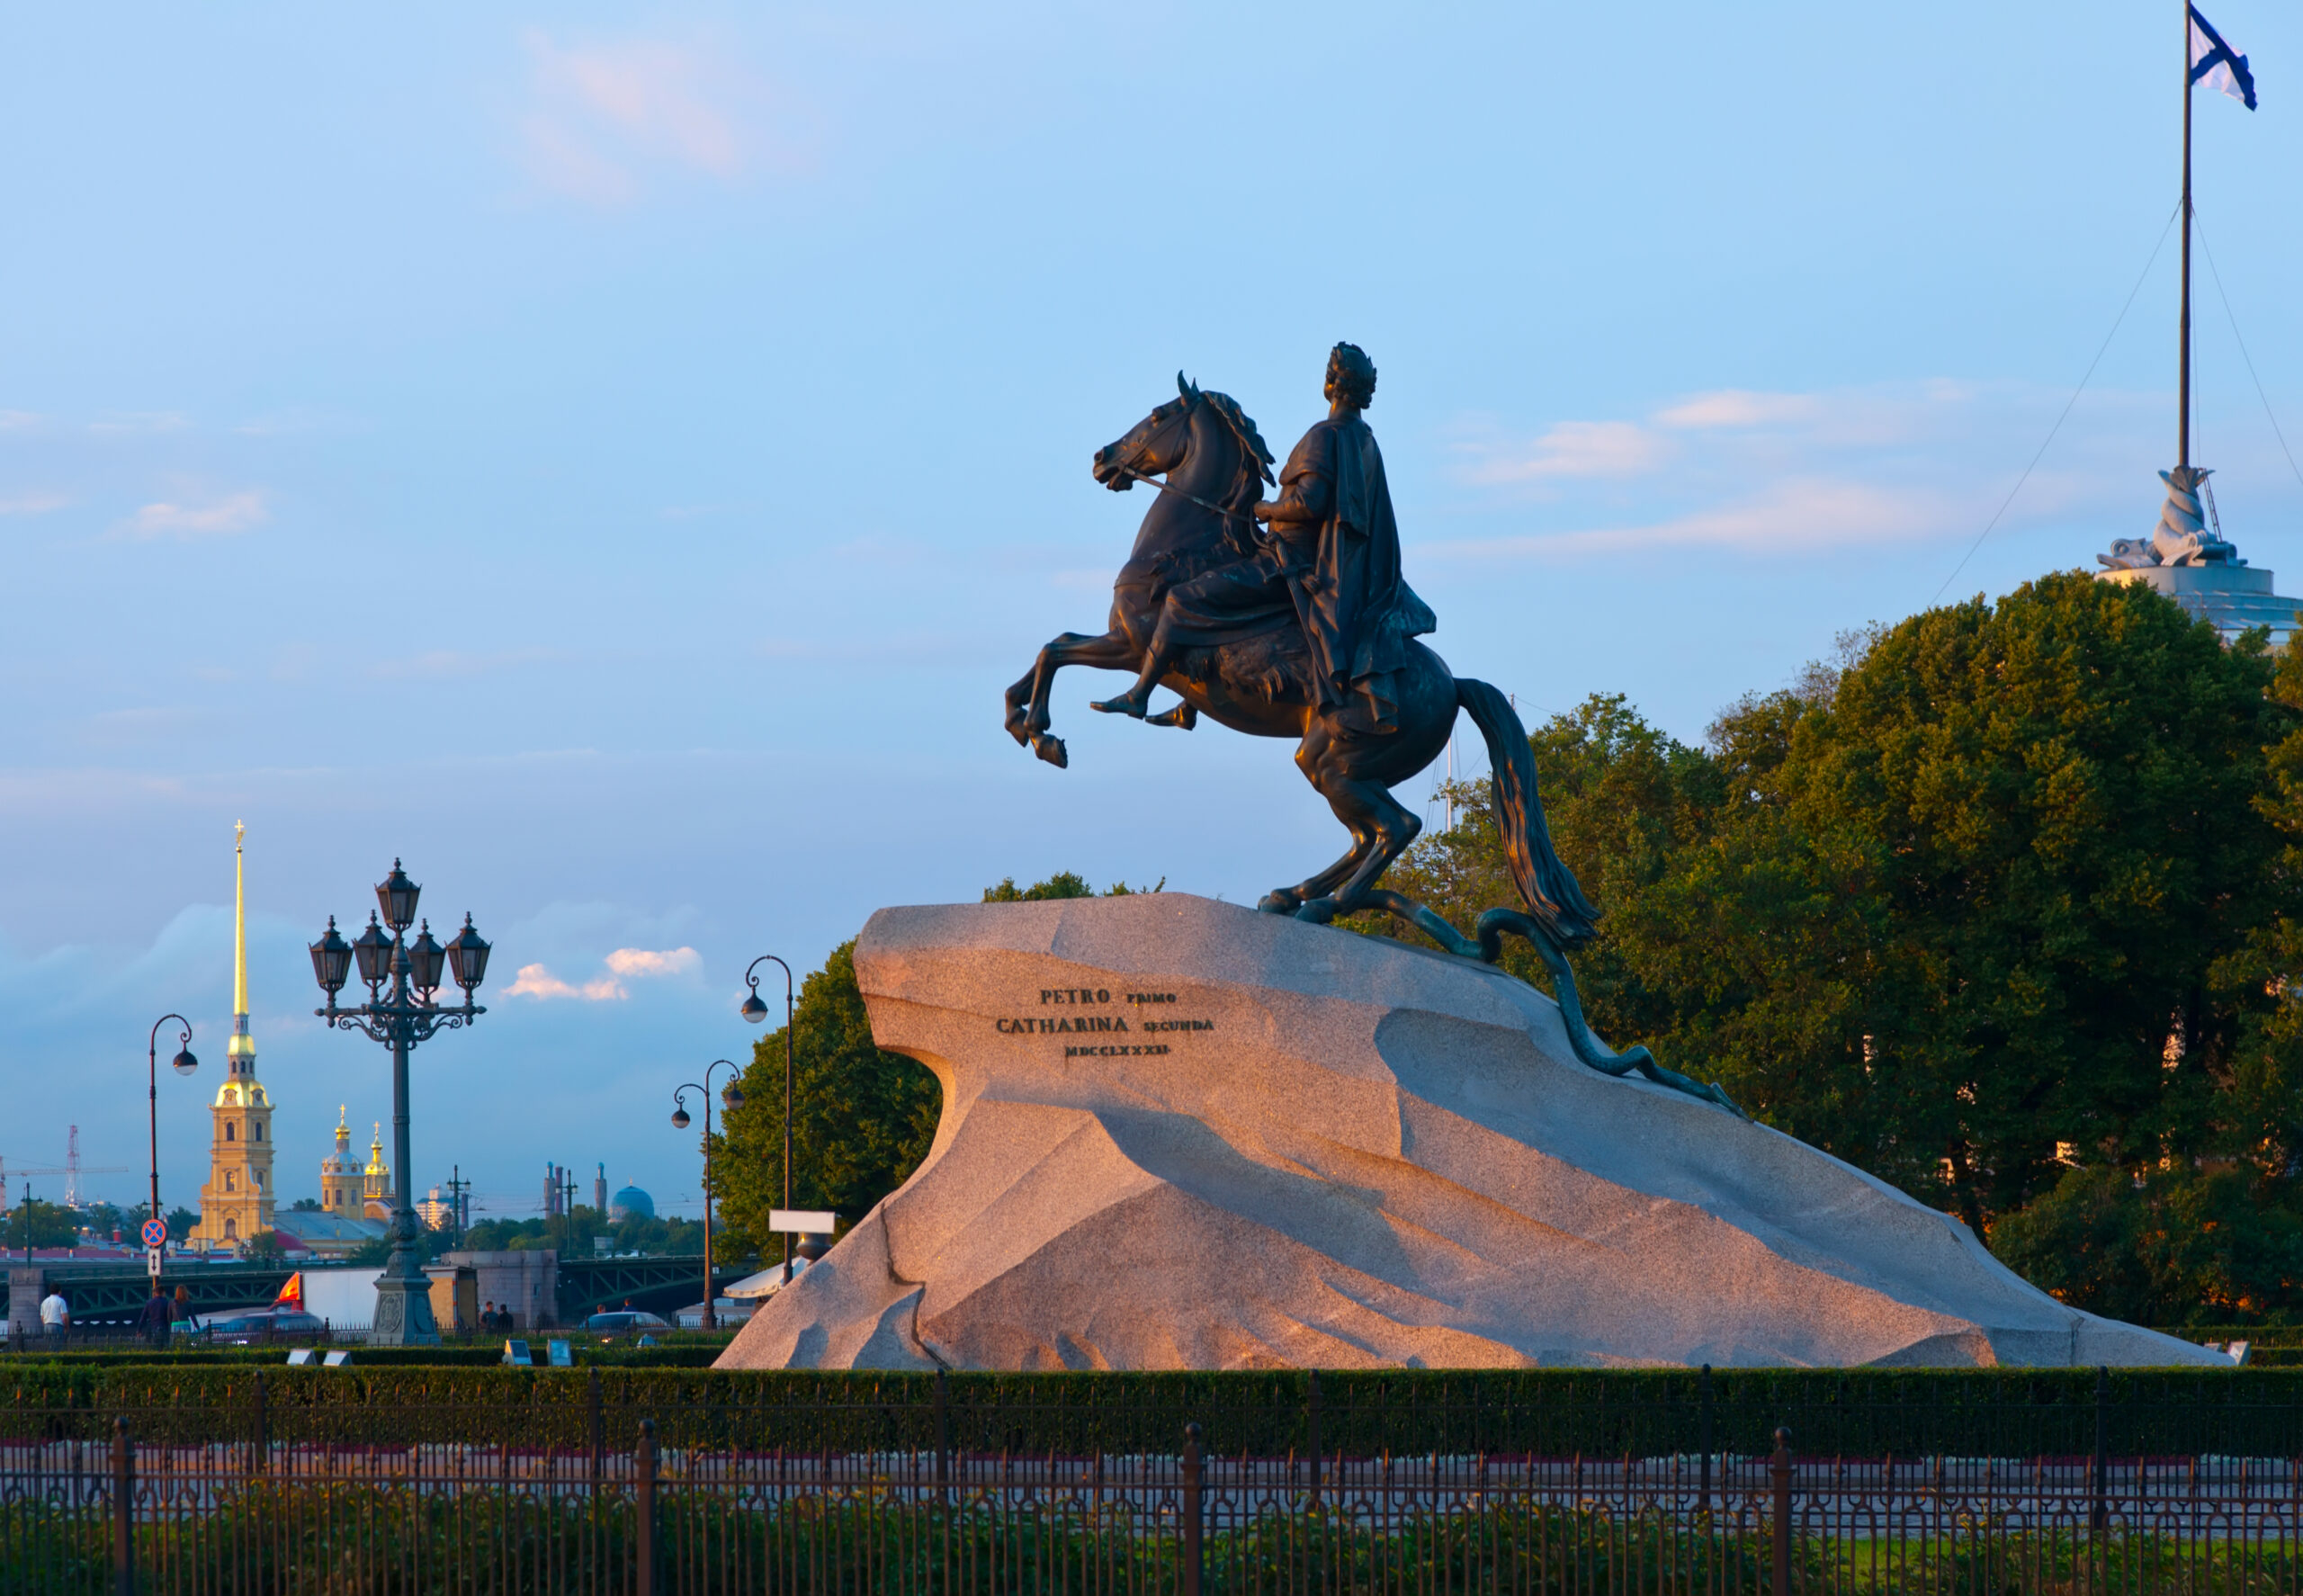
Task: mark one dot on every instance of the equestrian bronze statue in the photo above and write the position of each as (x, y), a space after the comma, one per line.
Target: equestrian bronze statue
(1289, 617)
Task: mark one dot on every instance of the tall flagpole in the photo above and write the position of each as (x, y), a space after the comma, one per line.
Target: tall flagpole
(2183, 333)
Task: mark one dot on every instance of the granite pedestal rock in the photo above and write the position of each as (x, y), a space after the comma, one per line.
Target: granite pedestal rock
(1180, 1133)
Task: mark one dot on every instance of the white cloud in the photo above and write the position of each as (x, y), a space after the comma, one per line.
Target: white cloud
(641, 961)
(1739, 407)
(32, 504)
(601, 114)
(1796, 516)
(1570, 449)
(626, 963)
(537, 981)
(1769, 474)
(12, 420)
(232, 514)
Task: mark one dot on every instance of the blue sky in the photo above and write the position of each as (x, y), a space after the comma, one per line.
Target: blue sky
(616, 457)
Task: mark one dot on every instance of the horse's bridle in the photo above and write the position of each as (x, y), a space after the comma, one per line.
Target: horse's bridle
(1134, 475)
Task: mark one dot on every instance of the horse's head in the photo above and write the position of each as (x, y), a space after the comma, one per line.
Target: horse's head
(1163, 443)
(1153, 446)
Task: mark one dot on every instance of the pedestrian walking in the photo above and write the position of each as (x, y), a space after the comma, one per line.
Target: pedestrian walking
(55, 1317)
(152, 1323)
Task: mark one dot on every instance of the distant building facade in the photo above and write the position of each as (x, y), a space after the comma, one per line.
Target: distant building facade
(343, 1224)
(438, 1213)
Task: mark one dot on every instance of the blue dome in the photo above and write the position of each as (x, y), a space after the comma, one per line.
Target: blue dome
(632, 1203)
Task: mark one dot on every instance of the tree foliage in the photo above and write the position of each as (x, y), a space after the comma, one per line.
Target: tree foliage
(862, 1119)
(1998, 906)
(572, 1234)
(37, 1224)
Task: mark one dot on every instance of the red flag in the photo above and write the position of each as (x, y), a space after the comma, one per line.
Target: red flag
(291, 1295)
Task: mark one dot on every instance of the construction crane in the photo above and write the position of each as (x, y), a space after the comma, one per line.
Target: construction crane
(72, 1170)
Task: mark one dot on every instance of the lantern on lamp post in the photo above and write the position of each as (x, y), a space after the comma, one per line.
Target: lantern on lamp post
(407, 1014)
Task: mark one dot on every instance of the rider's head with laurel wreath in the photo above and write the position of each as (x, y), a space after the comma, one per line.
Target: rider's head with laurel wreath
(1351, 377)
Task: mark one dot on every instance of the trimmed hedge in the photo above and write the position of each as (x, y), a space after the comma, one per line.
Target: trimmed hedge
(254, 1357)
(1555, 1412)
(490, 1356)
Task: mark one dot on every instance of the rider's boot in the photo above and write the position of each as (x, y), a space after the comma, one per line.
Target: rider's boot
(1137, 700)
(1134, 703)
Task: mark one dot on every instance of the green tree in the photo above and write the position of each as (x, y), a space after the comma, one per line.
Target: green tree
(2007, 886)
(2212, 1230)
(573, 1235)
(34, 1222)
(2049, 805)
(862, 1119)
(1064, 884)
(264, 1247)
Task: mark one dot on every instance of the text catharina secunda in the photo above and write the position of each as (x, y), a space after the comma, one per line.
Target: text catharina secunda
(1065, 997)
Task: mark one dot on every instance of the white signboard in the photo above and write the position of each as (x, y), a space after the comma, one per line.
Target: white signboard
(341, 1297)
(805, 1222)
(152, 1261)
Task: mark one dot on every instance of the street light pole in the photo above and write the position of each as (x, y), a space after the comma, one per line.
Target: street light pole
(733, 1095)
(409, 1016)
(184, 1064)
(754, 1011)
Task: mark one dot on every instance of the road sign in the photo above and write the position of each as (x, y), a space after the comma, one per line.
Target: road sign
(805, 1222)
(155, 1232)
(152, 1261)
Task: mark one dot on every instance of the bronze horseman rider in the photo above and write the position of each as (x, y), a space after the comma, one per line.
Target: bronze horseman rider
(1201, 609)
(1330, 560)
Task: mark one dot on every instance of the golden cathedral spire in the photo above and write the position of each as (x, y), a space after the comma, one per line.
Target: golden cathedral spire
(236, 1205)
(242, 1052)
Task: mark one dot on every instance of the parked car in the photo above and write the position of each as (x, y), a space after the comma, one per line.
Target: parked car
(259, 1324)
(625, 1318)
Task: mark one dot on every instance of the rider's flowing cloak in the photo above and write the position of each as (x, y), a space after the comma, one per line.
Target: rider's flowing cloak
(1358, 612)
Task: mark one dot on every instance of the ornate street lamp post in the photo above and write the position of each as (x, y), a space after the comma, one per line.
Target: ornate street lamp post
(732, 1096)
(409, 1014)
(754, 1011)
(184, 1064)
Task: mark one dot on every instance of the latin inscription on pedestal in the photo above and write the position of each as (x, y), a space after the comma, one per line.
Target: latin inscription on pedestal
(1067, 1024)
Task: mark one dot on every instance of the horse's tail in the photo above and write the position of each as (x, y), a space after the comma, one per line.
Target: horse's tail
(1544, 879)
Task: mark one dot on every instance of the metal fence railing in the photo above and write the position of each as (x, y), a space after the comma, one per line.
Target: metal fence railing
(593, 1496)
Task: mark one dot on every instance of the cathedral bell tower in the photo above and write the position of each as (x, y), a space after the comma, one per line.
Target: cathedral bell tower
(340, 1189)
(237, 1203)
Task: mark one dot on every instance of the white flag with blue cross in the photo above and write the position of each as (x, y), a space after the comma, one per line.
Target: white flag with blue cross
(2218, 65)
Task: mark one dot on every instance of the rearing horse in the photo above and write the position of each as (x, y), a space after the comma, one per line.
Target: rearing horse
(1215, 466)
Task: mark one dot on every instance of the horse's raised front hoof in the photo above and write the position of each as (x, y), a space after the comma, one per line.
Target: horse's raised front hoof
(1282, 901)
(1019, 724)
(1051, 749)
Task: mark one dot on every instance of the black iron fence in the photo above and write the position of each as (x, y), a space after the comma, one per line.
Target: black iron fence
(954, 1494)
